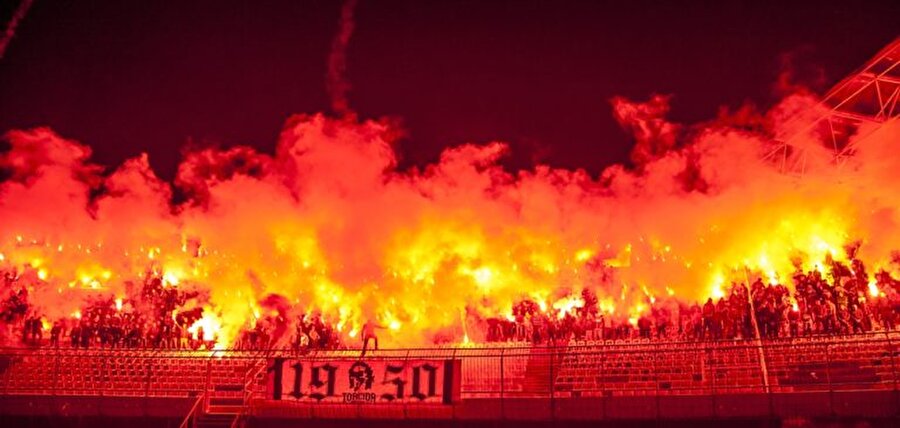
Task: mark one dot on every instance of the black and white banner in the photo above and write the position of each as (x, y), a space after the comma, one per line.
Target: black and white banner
(363, 381)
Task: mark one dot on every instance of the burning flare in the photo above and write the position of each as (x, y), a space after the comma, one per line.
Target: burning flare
(328, 226)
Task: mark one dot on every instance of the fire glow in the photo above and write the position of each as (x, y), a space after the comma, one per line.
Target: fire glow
(328, 225)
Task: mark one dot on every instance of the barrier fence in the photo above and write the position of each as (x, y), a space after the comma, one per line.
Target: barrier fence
(503, 375)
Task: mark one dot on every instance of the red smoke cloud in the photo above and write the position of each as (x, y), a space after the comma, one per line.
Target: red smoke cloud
(328, 224)
(654, 136)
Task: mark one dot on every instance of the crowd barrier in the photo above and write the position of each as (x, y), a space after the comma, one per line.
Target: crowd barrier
(502, 379)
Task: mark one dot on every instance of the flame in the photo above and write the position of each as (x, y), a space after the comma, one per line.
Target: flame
(210, 325)
(717, 282)
(567, 305)
(170, 278)
(330, 225)
(483, 276)
(873, 288)
(584, 255)
(607, 306)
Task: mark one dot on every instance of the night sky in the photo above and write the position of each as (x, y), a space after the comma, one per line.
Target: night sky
(147, 76)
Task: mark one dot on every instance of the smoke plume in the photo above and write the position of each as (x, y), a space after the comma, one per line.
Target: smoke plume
(336, 82)
(329, 225)
(17, 17)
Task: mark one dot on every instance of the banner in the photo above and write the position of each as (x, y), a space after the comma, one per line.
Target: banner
(363, 381)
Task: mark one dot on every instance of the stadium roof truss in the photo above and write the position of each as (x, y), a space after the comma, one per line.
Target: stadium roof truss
(847, 114)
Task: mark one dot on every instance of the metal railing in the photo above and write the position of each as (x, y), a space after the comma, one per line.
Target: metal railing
(190, 420)
(504, 372)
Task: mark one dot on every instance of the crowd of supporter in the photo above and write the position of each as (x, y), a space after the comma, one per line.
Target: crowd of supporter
(156, 319)
(310, 333)
(842, 301)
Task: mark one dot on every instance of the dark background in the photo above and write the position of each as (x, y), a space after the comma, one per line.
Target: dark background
(133, 76)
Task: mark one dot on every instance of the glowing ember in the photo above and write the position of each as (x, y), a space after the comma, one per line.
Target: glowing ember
(873, 288)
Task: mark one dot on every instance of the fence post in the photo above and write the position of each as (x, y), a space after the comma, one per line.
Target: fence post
(56, 373)
(147, 378)
(768, 384)
(712, 374)
(828, 376)
(502, 385)
(104, 369)
(552, 386)
(887, 334)
(604, 355)
(453, 406)
(6, 376)
(405, 402)
(208, 390)
(655, 374)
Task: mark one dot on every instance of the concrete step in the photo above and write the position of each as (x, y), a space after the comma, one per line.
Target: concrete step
(215, 420)
(224, 410)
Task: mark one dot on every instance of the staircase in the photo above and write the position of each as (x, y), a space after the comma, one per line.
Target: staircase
(541, 368)
(226, 399)
(215, 420)
(213, 410)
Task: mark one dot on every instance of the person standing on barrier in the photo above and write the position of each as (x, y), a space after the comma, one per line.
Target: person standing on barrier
(26, 331)
(368, 333)
(793, 317)
(55, 331)
(709, 315)
(75, 335)
(520, 326)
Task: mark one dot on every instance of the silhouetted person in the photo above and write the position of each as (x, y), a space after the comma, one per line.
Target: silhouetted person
(75, 335)
(368, 333)
(709, 318)
(55, 331)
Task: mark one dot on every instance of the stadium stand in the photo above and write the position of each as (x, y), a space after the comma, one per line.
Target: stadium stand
(582, 369)
(644, 368)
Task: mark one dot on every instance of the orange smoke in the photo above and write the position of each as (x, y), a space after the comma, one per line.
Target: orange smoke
(333, 227)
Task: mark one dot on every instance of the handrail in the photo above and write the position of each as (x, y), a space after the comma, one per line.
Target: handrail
(190, 419)
(480, 368)
(248, 391)
(624, 346)
(891, 352)
(490, 346)
(236, 422)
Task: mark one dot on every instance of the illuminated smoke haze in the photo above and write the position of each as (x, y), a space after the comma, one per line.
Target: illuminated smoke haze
(331, 225)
